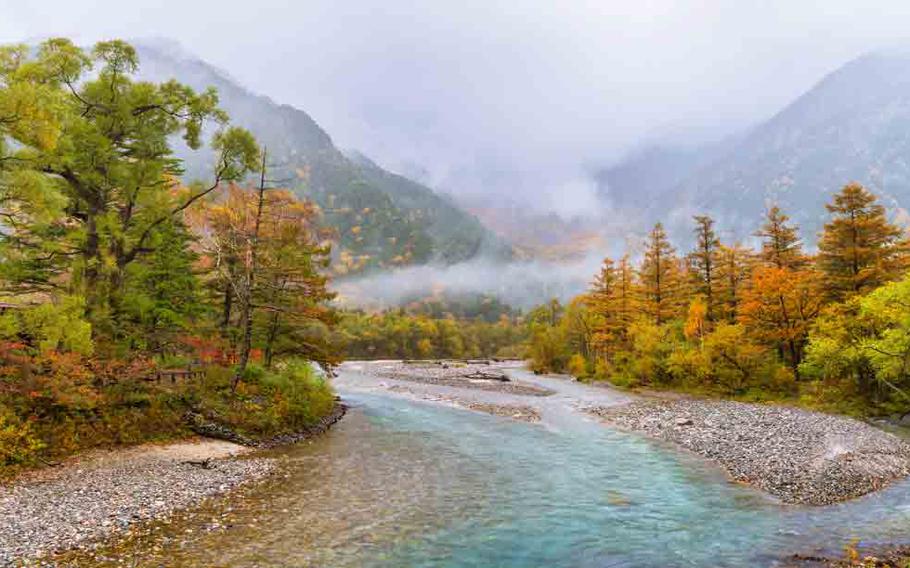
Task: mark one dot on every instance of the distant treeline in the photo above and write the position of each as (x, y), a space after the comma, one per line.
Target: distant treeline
(399, 334)
(830, 329)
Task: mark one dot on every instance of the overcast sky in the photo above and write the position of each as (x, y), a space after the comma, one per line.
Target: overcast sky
(522, 97)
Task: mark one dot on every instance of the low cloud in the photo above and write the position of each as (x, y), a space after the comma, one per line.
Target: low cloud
(520, 284)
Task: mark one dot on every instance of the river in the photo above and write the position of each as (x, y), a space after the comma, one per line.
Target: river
(400, 482)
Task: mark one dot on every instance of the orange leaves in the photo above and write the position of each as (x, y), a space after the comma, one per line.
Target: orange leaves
(780, 305)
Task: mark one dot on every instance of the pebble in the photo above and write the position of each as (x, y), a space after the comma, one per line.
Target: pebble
(796, 455)
(77, 507)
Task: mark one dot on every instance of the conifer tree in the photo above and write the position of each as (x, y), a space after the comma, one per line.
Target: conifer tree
(609, 303)
(859, 249)
(781, 244)
(625, 292)
(660, 278)
(733, 271)
(703, 264)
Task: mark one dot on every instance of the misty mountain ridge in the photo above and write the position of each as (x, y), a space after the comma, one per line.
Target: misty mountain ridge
(853, 125)
(382, 219)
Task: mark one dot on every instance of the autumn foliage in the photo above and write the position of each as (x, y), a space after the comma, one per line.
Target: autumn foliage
(113, 269)
(777, 322)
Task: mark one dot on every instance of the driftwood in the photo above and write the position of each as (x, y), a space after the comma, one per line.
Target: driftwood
(487, 376)
(203, 464)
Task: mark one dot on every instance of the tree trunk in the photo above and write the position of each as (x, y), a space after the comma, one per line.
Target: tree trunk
(270, 339)
(247, 299)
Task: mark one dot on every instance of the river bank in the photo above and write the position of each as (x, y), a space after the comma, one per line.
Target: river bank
(107, 494)
(407, 482)
(796, 455)
(103, 493)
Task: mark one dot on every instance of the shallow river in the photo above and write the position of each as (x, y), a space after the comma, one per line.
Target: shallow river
(404, 483)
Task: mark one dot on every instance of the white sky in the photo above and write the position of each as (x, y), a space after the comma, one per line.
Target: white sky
(522, 98)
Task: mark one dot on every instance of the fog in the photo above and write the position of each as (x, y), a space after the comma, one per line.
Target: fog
(520, 284)
(515, 101)
(513, 105)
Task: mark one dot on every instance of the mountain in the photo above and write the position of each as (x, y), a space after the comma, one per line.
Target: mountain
(381, 219)
(854, 125)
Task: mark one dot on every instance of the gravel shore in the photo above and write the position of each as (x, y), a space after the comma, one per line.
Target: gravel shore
(514, 411)
(796, 455)
(455, 374)
(102, 493)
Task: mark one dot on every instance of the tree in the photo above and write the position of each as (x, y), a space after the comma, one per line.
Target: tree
(779, 306)
(86, 156)
(265, 246)
(859, 249)
(162, 293)
(781, 244)
(660, 278)
(289, 285)
(734, 266)
(703, 264)
(605, 304)
(866, 340)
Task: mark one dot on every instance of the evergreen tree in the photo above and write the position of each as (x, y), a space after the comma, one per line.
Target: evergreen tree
(703, 264)
(162, 292)
(859, 249)
(660, 278)
(781, 244)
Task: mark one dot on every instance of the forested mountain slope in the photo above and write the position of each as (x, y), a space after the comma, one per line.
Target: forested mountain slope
(382, 219)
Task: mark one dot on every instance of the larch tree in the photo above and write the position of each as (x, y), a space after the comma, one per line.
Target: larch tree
(601, 300)
(781, 244)
(660, 278)
(625, 292)
(703, 264)
(859, 249)
(734, 266)
(779, 307)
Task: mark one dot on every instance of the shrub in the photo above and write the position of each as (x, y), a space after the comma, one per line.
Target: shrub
(577, 366)
(18, 442)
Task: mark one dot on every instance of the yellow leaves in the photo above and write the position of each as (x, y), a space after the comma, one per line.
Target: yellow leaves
(696, 322)
(355, 230)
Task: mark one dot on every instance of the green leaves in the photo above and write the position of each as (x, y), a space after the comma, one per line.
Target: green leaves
(87, 172)
(238, 153)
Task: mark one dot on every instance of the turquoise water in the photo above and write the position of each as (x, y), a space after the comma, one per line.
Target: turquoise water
(400, 483)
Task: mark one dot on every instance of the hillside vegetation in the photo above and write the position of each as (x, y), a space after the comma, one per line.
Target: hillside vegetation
(379, 219)
(131, 300)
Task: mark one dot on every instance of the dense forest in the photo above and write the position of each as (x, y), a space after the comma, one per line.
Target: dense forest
(830, 329)
(119, 281)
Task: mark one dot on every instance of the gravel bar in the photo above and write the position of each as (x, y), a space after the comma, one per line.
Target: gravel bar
(455, 374)
(796, 455)
(520, 412)
(104, 493)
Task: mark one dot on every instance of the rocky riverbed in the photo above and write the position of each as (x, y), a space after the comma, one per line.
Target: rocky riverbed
(486, 376)
(796, 455)
(104, 493)
(521, 412)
